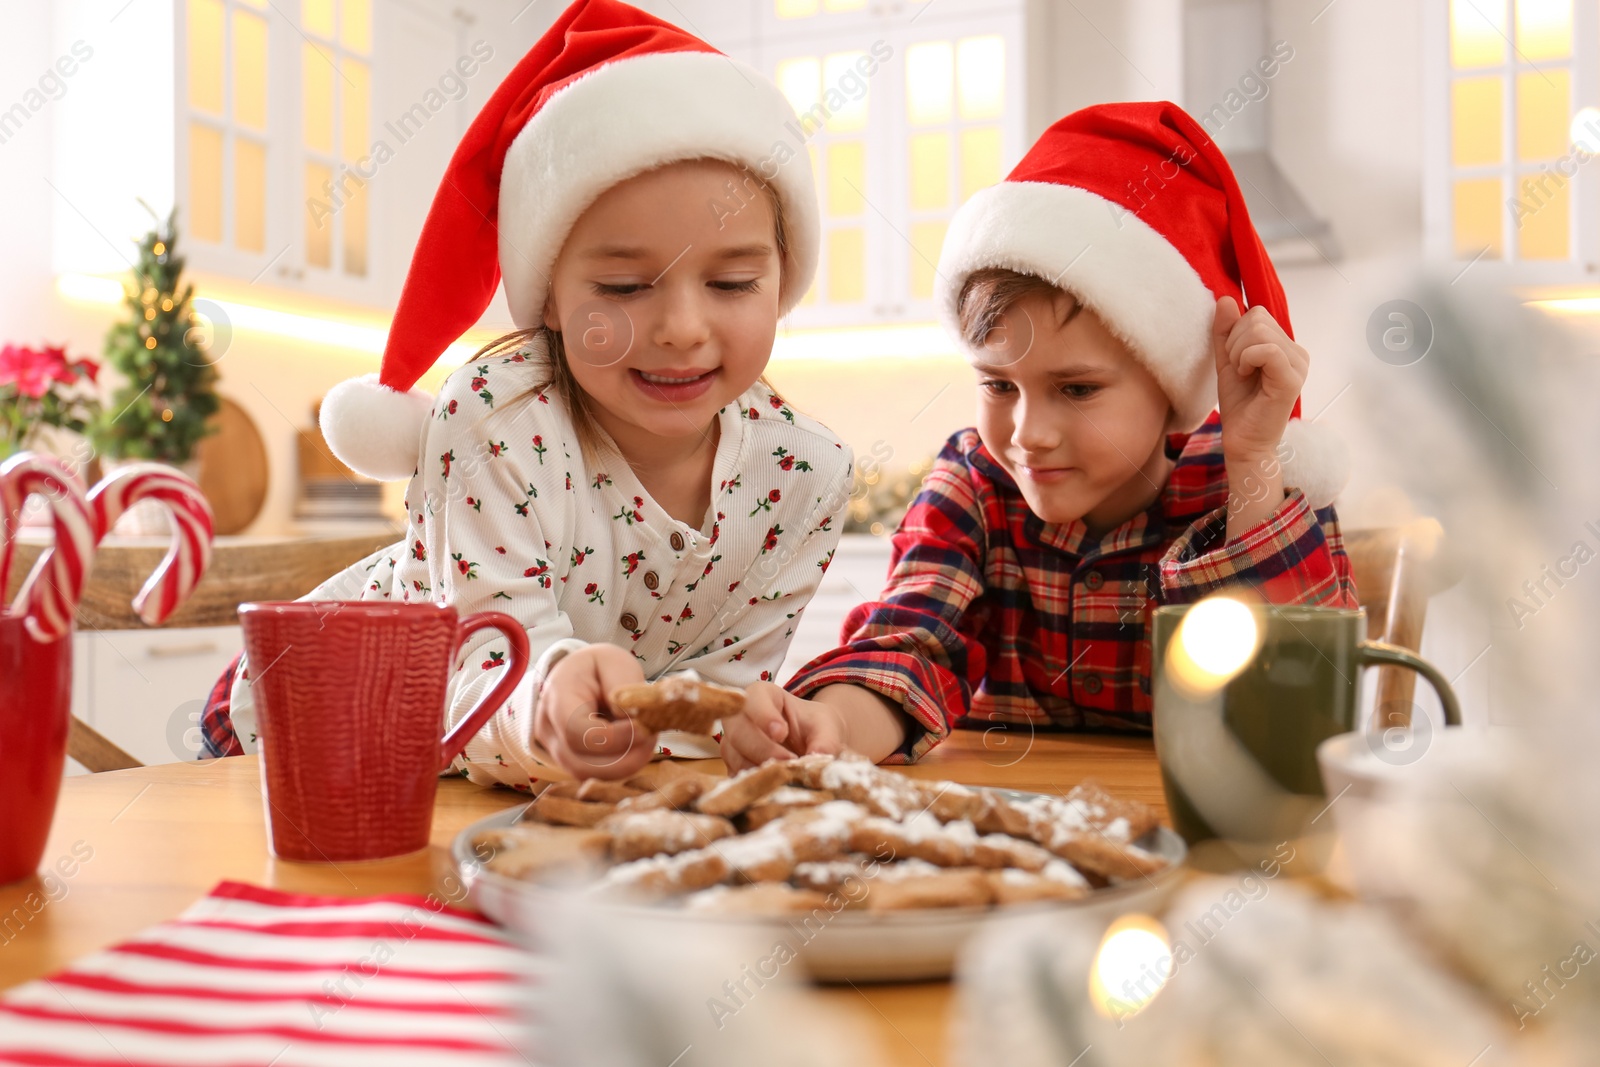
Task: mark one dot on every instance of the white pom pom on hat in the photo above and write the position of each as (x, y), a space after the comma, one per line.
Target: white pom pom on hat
(1133, 209)
(608, 93)
(374, 429)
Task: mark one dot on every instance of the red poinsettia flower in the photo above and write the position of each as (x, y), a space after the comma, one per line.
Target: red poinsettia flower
(60, 370)
(30, 370)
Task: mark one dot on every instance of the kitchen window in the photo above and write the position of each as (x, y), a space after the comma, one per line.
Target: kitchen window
(1512, 90)
(908, 109)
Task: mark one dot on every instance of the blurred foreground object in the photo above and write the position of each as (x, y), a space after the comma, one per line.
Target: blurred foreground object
(1242, 971)
(641, 990)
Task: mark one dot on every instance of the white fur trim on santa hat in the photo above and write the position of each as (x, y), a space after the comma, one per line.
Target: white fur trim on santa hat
(1131, 276)
(634, 115)
(375, 430)
(1315, 461)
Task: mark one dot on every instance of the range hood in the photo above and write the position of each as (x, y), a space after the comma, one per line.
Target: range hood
(1224, 43)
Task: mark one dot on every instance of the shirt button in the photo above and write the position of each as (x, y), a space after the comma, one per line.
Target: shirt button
(651, 581)
(1094, 580)
(629, 621)
(1091, 684)
(676, 540)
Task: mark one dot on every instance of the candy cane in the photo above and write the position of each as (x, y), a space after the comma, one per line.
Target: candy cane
(190, 553)
(49, 597)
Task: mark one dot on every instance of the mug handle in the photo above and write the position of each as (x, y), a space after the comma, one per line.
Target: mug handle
(467, 728)
(1378, 653)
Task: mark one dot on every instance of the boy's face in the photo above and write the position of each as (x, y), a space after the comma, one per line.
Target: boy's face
(1070, 414)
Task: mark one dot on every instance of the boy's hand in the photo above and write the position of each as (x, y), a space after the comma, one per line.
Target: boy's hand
(1260, 372)
(1259, 376)
(776, 724)
(574, 724)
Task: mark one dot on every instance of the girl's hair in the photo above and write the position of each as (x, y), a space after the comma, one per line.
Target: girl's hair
(558, 372)
(990, 293)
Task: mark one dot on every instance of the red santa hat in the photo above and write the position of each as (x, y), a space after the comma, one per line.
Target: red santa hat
(608, 93)
(1133, 209)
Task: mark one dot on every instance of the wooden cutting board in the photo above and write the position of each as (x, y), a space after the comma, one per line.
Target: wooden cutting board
(233, 468)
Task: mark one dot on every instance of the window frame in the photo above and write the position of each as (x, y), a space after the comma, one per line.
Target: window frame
(335, 277)
(888, 217)
(819, 47)
(1440, 173)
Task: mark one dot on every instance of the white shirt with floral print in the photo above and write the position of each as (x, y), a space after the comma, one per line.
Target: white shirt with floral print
(506, 514)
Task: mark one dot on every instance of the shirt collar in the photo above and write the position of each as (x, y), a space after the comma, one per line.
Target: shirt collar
(1146, 528)
(730, 458)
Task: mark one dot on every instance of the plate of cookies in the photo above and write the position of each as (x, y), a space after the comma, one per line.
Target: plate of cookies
(867, 874)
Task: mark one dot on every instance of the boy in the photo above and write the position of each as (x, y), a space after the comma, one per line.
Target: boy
(1097, 294)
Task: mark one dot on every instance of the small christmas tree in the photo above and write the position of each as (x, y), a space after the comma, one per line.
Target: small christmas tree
(161, 412)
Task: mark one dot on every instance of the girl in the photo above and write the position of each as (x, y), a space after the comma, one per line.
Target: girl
(1138, 443)
(615, 474)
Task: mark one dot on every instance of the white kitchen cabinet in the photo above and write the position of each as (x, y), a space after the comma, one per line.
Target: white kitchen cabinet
(144, 689)
(310, 137)
(856, 575)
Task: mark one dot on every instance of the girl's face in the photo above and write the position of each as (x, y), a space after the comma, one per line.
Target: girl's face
(1070, 413)
(666, 298)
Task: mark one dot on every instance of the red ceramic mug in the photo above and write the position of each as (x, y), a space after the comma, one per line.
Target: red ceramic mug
(350, 700)
(35, 710)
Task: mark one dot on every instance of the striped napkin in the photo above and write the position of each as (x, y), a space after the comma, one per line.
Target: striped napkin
(252, 976)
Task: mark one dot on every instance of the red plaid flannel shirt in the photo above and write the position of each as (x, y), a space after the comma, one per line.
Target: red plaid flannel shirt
(992, 615)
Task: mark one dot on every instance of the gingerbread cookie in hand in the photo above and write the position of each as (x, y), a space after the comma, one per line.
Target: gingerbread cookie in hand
(677, 702)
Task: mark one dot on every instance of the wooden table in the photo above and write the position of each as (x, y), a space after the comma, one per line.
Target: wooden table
(158, 838)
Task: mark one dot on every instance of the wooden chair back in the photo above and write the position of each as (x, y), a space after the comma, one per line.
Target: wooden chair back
(1395, 573)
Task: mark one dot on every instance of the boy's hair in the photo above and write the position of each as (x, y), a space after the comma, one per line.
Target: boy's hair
(559, 372)
(991, 292)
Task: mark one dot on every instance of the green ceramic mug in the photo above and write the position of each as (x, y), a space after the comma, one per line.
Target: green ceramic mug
(1240, 710)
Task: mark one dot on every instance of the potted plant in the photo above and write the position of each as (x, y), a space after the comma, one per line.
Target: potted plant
(42, 387)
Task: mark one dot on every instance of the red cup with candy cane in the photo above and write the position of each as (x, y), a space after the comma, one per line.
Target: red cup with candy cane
(36, 627)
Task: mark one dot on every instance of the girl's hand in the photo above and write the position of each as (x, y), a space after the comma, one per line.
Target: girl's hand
(1260, 372)
(776, 724)
(573, 722)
